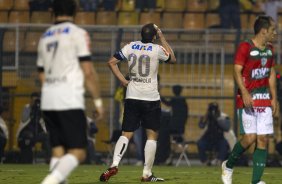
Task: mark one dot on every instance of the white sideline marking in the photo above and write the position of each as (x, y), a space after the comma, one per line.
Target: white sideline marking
(13, 170)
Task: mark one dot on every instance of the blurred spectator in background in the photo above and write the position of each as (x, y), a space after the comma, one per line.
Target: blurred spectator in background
(4, 133)
(179, 115)
(179, 110)
(32, 129)
(89, 5)
(91, 131)
(142, 5)
(271, 8)
(229, 12)
(278, 147)
(119, 97)
(40, 5)
(213, 139)
(109, 5)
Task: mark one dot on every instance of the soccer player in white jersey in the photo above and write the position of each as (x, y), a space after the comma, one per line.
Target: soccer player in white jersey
(142, 102)
(64, 65)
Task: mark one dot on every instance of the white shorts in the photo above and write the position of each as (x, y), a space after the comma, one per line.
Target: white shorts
(256, 120)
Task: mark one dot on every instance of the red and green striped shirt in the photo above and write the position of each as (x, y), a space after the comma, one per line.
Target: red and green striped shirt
(257, 65)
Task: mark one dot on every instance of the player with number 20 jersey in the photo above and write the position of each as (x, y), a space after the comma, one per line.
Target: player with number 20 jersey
(142, 101)
(143, 63)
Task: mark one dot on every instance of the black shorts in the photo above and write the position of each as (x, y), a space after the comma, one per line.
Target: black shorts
(66, 128)
(140, 112)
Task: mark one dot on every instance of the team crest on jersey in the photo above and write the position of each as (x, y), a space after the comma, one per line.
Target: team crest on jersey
(269, 52)
(263, 61)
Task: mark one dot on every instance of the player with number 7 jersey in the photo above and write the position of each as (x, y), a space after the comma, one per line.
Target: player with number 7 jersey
(142, 101)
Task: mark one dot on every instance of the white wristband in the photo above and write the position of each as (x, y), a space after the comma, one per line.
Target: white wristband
(98, 102)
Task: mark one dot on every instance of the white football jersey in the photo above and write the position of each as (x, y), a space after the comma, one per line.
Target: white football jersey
(60, 50)
(143, 63)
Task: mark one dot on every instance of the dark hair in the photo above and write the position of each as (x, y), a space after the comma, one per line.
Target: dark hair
(34, 94)
(213, 110)
(261, 22)
(177, 89)
(64, 7)
(148, 32)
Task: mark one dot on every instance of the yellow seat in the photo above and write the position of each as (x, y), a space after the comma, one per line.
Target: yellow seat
(3, 16)
(127, 5)
(213, 4)
(41, 17)
(21, 5)
(279, 23)
(127, 18)
(9, 42)
(175, 5)
(19, 17)
(212, 19)
(252, 21)
(106, 18)
(196, 6)
(85, 18)
(172, 20)
(31, 41)
(6, 4)
(160, 4)
(194, 21)
(244, 21)
(150, 17)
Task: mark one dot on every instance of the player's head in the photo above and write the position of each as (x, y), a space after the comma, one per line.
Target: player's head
(265, 25)
(177, 89)
(148, 33)
(64, 8)
(34, 97)
(213, 110)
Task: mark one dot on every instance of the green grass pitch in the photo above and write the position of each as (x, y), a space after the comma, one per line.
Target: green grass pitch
(89, 174)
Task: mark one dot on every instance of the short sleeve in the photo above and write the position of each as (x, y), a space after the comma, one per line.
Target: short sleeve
(83, 43)
(163, 55)
(122, 54)
(242, 53)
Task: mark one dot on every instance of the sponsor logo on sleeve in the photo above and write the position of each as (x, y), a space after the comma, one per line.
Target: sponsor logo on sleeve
(254, 53)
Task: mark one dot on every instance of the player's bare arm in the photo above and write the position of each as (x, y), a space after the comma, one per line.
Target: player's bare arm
(112, 63)
(247, 98)
(41, 77)
(272, 88)
(165, 44)
(92, 85)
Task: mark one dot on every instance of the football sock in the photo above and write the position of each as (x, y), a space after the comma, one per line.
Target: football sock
(53, 163)
(150, 151)
(237, 151)
(120, 149)
(259, 160)
(66, 165)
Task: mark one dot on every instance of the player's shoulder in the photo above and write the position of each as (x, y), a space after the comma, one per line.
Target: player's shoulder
(77, 29)
(247, 43)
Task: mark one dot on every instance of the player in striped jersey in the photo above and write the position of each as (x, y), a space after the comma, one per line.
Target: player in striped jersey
(256, 99)
(142, 102)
